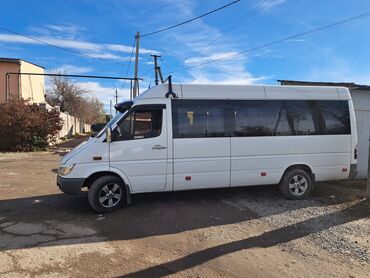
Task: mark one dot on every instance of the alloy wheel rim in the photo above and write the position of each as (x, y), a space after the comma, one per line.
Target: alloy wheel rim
(298, 185)
(110, 195)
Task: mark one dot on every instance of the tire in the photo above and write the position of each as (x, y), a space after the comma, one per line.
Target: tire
(107, 194)
(296, 184)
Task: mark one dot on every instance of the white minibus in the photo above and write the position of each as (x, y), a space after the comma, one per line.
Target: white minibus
(186, 136)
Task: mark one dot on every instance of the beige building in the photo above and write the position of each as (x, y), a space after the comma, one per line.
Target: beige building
(15, 83)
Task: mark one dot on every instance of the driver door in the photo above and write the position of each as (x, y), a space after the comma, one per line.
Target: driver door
(139, 147)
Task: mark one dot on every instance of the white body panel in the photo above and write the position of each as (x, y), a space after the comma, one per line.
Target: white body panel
(140, 160)
(219, 161)
(205, 160)
(250, 156)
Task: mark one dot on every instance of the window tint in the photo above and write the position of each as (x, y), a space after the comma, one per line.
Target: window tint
(203, 118)
(336, 115)
(260, 118)
(299, 117)
(139, 124)
(198, 118)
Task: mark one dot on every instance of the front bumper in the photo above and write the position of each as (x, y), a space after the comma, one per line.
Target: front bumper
(70, 185)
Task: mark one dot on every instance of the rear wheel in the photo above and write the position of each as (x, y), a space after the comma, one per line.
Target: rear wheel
(296, 184)
(107, 194)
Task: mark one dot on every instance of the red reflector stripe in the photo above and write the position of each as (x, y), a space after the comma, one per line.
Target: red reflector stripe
(263, 174)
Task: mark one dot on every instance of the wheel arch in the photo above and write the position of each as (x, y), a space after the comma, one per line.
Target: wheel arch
(93, 177)
(301, 166)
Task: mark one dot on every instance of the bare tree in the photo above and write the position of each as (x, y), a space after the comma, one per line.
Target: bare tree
(92, 111)
(71, 98)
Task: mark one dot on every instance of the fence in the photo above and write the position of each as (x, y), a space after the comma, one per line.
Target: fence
(71, 125)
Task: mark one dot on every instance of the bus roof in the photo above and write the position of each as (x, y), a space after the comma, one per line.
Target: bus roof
(205, 91)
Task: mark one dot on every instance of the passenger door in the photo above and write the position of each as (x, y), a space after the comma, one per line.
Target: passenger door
(201, 144)
(139, 147)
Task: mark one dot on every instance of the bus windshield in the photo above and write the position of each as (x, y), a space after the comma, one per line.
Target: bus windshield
(110, 123)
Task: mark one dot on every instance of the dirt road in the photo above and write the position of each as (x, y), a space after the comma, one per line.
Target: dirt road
(243, 232)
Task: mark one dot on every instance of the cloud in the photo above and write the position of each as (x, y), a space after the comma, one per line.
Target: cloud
(269, 4)
(213, 57)
(93, 50)
(128, 49)
(104, 92)
(107, 56)
(337, 69)
(69, 31)
(242, 80)
(223, 62)
(230, 73)
(72, 69)
(65, 28)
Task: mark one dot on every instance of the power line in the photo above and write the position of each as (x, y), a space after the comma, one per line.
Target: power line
(41, 41)
(145, 73)
(309, 32)
(190, 20)
(54, 46)
(129, 65)
(247, 17)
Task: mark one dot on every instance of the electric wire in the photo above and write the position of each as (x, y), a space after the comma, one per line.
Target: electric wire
(55, 46)
(245, 18)
(190, 20)
(302, 34)
(129, 65)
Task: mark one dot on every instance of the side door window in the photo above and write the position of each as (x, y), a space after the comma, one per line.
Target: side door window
(139, 124)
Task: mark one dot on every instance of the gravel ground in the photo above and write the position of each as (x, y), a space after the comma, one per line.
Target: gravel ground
(4, 157)
(350, 239)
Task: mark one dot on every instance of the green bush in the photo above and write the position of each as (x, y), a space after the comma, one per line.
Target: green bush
(27, 127)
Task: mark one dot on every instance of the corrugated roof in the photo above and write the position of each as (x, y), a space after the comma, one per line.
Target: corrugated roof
(17, 60)
(349, 85)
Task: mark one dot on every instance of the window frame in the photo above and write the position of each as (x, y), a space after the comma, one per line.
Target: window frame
(141, 107)
(225, 108)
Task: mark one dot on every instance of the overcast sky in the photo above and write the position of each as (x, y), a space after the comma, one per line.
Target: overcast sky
(104, 32)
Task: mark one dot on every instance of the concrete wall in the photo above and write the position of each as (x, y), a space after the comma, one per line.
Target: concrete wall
(13, 80)
(32, 86)
(72, 126)
(361, 102)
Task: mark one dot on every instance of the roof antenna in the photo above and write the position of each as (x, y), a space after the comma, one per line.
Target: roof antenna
(170, 91)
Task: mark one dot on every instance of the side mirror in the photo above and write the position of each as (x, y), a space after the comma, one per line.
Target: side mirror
(108, 134)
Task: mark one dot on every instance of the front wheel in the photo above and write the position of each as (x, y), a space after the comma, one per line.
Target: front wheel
(107, 194)
(296, 184)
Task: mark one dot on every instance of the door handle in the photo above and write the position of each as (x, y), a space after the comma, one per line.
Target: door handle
(158, 147)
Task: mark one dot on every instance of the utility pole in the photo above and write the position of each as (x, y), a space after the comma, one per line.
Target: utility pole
(156, 68)
(116, 96)
(110, 109)
(136, 81)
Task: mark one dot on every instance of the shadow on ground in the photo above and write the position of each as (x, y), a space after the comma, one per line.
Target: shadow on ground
(265, 240)
(59, 219)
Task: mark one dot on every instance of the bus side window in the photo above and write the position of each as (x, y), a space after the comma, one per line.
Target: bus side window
(140, 124)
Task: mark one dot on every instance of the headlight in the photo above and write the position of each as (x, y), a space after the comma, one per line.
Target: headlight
(65, 169)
